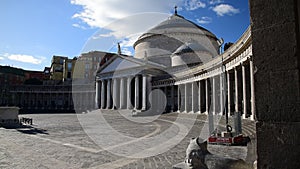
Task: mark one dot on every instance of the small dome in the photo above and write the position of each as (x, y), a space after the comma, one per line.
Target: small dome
(190, 53)
(190, 47)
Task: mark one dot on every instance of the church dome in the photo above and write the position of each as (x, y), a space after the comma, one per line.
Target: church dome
(160, 42)
(177, 24)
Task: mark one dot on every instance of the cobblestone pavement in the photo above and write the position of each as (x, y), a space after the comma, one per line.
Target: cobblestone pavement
(59, 141)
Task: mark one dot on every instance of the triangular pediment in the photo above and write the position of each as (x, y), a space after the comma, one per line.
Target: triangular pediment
(119, 63)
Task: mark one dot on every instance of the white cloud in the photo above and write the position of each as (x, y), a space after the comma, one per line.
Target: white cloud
(76, 25)
(212, 2)
(119, 19)
(25, 58)
(225, 9)
(204, 20)
(104, 35)
(1, 58)
(194, 4)
(99, 13)
(125, 30)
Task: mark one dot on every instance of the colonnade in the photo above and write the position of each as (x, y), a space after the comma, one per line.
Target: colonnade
(52, 97)
(231, 91)
(129, 92)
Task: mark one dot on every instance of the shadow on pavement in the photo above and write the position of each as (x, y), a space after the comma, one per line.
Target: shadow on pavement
(27, 129)
(31, 130)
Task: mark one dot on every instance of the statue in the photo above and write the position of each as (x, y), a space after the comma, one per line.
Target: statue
(198, 157)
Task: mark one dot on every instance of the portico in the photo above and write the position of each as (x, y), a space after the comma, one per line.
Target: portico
(126, 87)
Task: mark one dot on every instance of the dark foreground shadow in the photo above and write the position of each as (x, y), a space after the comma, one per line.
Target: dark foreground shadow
(26, 129)
(31, 130)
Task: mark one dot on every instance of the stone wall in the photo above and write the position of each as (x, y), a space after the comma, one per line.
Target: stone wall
(275, 33)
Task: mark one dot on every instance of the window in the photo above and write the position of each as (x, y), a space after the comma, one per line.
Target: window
(58, 68)
(87, 66)
(69, 66)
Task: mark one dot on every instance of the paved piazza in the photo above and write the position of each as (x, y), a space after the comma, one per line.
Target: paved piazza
(59, 141)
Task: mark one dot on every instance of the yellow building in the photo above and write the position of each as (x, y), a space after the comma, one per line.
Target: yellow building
(82, 68)
(56, 69)
(62, 68)
(88, 63)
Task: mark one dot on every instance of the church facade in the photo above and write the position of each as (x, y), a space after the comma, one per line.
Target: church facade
(178, 67)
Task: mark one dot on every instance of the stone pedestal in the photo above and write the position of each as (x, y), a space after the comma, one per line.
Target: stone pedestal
(9, 116)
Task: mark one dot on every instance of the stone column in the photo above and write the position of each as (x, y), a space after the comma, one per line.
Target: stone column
(81, 101)
(221, 94)
(178, 99)
(194, 97)
(252, 90)
(108, 97)
(115, 94)
(144, 92)
(129, 104)
(137, 97)
(199, 97)
(228, 92)
(211, 113)
(186, 98)
(236, 90)
(172, 99)
(122, 93)
(103, 89)
(148, 91)
(244, 92)
(214, 95)
(206, 96)
(275, 33)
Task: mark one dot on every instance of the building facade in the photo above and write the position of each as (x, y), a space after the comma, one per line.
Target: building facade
(88, 63)
(10, 75)
(62, 68)
(66, 86)
(181, 60)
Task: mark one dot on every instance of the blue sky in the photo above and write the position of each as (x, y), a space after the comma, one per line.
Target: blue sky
(32, 31)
